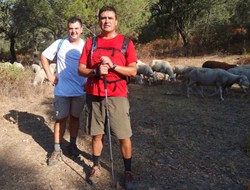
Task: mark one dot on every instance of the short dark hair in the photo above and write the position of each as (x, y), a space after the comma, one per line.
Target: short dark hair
(74, 19)
(107, 8)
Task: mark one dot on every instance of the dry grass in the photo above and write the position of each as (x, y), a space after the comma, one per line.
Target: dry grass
(17, 85)
(173, 52)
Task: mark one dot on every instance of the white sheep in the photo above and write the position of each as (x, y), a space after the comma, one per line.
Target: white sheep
(138, 79)
(52, 67)
(163, 67)
(35, 67)
(179, 70)
(219, 78)
(40, 75)
(241, 70)
(146, 71)
(245, 66)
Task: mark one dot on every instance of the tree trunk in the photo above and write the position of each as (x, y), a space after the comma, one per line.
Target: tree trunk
(12, 49)
(182, 33)
(184, 38)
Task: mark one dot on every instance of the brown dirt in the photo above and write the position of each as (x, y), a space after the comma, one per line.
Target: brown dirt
(179, 143)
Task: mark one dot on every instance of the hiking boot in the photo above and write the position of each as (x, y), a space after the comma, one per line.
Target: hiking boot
(129, 183)
(55, 157)
(74, 151)
(95, 175)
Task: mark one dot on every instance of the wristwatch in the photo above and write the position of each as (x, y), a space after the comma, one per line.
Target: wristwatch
(114, 66)
(93, 72)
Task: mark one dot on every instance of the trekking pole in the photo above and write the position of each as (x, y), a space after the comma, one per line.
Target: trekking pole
(109, 131)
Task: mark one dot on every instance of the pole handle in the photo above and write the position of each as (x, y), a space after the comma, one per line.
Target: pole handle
(105, 82)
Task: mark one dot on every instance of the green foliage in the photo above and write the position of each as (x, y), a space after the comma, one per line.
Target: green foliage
(211, 22)
(51, 17)
(16, 23)
(158, 27)
(132, 15)
(242, 13)
(180, 16)
(37, 23)
(197, 22)
(4, 45)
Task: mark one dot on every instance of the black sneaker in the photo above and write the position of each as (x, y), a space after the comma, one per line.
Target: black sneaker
(74, 151)
(129, 182)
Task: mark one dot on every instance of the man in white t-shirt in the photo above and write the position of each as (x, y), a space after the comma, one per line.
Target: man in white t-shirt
(69, 86)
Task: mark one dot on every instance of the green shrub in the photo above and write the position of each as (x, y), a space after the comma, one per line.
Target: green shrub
(9, 73)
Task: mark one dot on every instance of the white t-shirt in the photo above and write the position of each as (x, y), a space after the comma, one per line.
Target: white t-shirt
(69, 82)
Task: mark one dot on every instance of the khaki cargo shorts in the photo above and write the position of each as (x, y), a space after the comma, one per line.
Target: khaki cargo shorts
(96, 120)
(63, 106)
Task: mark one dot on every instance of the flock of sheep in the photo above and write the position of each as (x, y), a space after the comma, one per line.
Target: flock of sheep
(221, 75)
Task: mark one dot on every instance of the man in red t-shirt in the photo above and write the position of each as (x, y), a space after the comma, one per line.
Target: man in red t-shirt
(108, 62)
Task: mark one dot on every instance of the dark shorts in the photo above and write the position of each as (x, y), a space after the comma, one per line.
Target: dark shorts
(119, 118)
(63, 106)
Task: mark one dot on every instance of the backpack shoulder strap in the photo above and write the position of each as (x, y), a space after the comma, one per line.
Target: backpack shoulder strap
(94, 44)
(58, 48)
(124, 50)
(60, 44)
(125, 45)
(93, 47)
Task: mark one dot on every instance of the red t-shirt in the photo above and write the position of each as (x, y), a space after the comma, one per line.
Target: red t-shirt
(112, 49)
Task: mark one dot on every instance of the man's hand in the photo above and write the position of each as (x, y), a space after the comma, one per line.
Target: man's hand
(106, 64)
(53, 80)
(106, 60)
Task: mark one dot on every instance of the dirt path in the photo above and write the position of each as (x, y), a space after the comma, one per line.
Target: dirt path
(26, 139)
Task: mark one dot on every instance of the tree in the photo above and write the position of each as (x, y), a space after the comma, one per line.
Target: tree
(188, 17)
(242, 13)
(7, 25)
(212, 22)
(51, 16)
(32, 22)
(179, 13)
(133, 14)
(16, 21)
